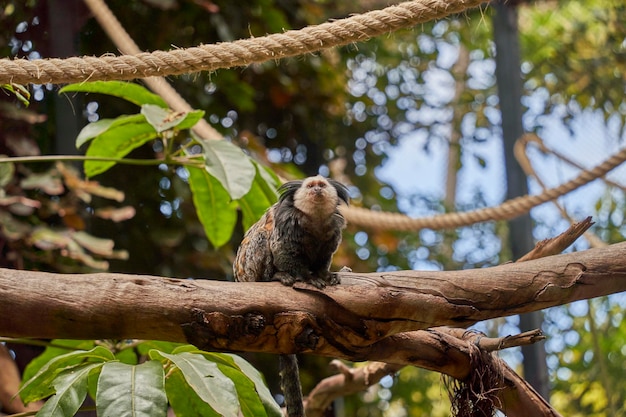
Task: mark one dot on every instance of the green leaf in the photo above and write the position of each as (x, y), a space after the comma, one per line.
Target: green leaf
(254, 204)
(131, 390)
(41, 384)
(254, 396)
(57, 347)
(251, 405)
(145, 347)
(267, 399)
(95, 129)
(184, 400)
(165, 119)
(190, 119)
(117, 142)
(206, 379)
(134, 93)
(230, 166)
(71, 390)
(216, 212)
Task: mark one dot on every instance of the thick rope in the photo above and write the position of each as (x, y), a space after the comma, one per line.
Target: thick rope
(521, 155)
(395, 17)
(506, 211)
(231, 54)
(159, 85)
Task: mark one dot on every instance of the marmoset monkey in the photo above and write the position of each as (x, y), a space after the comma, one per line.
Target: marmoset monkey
(296, 238)
(295, 241)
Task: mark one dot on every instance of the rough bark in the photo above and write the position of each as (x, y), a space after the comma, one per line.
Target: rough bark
(354, 321)
(373, 316)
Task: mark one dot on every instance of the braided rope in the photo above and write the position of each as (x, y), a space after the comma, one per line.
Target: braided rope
(291, 43)
(122, 40)
(231, 54)
(507, 210)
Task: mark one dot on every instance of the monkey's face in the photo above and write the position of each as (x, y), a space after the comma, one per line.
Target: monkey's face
(316, 196)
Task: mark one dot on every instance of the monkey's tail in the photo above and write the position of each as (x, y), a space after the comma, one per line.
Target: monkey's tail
(290, 384)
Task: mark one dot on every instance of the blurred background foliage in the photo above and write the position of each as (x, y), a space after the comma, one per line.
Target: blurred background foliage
(344, 113)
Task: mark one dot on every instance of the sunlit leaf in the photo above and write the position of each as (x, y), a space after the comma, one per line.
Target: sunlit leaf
(117, 142)
(131, 390)
(217, 213)
(76, 251)
(164, 119)
(47, 239)
(94, 244)
(230, 166)
(85, 189)
(116, 214)
(94, 129)
(47, 182)
(132, 92)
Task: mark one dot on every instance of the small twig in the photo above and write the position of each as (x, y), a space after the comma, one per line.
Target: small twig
(558, 244)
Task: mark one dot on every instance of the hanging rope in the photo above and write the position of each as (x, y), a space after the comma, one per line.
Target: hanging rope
(507, 210)
(269, 47)
(243, 52)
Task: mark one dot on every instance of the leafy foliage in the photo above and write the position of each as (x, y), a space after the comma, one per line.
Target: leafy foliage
(567, 55)
(194, 382)
(219, 173)
(39, 210)
(298, 117)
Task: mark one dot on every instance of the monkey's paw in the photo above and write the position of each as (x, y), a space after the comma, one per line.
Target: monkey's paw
(284, 278)
(324, 279)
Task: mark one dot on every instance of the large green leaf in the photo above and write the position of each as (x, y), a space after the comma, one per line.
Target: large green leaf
(230, 165)
(207, 380)
(132, 92)
(217, 213)
(40, 385)
(70, 391)
(117, 142)
(164, 119)
(131, 390)
(254, 396)
(95, 129)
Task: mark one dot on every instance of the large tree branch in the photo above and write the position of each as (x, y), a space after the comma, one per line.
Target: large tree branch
(349, 321)
(382, 318)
